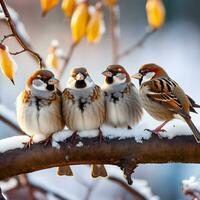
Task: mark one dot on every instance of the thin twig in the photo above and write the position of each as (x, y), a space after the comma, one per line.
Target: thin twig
(114, 28)
(10, 124)
(139, 43)
(67, 59)
(18, 52)
(136, 195)
(17, 36)
(6, 37)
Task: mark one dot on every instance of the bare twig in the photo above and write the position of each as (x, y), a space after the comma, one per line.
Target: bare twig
(66, 60)
(6, 37)
(136, 195)
(17, 36)
(18, 52)
(113, 151)
(10, 123)
(139, 43)
(114, 28)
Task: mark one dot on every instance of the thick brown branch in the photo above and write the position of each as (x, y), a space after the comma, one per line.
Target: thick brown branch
(17, 36)
(19, 161)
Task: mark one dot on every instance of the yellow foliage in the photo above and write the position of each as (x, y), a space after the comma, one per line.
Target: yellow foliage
(7, 63)
(47, 5)
(68, 7)
(79, 22)
(155, 13)
(94, 29)
(111, 2)
(52, 59)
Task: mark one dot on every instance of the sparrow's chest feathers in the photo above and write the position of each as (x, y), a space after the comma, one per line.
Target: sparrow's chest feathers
(126, 110)
(155, 109)
(36, 116)
(84, 112)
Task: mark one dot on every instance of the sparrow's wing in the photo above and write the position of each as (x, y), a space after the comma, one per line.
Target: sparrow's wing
(168, 93)
(193, 105)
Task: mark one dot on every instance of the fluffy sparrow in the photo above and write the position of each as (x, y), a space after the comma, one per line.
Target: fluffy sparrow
(163, 98)
(123, 107)
(39, 107)
(83, 108)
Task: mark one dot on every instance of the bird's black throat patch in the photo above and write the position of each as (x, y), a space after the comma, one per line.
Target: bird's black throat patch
(109, 80)
(80, 84)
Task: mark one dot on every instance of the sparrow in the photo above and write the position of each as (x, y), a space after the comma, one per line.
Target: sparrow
(164, 99)
(39, 107)
(83, 108)
(123, 106)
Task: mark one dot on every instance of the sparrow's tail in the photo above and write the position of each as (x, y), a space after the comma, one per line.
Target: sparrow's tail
(98, 170)
(194, 129)
(64, 171)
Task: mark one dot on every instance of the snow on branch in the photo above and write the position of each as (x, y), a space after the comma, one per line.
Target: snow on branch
(124, 152)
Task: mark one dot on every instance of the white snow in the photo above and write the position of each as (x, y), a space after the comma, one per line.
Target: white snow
(80, 144)
(8, 185)
(13, 143)
(191, 184)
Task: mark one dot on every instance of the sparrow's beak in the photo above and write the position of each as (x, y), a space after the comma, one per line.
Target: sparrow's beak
(53, 81)
(80, 77)
(137, 76)
(107, 73)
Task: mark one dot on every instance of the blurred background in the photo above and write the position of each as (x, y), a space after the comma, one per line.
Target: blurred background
(176, 47)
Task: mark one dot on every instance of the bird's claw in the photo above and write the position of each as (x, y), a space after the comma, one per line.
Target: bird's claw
(157, 132)
(28, 144)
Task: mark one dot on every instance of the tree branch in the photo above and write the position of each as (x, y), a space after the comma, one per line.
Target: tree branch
(17, 36)
(115, 152)
(135, 194)
(139, 43)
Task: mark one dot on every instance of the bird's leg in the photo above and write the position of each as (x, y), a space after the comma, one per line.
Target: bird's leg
(48, 140)
(129, 127)
(101, 138)
(73, 138)
(29, 143)
(159, 129)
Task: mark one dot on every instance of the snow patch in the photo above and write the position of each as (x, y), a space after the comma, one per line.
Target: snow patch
(80, 144)
(13, 143)
(191, 184)
(8, 185)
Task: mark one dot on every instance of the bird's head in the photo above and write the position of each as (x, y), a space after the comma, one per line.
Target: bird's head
(148, 72)
(42, 80)
(116, 74)
(79, 79)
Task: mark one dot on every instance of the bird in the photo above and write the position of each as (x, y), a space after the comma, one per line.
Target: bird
(83, 108)
(123, 105)
(38, 107)
(164, 99)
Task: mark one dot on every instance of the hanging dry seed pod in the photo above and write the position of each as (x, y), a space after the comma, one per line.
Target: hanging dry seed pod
(52, 58)
(95, 26)
(79, 22)
(7, 63)
(68, 7)
(110, 2)
(155, 13)
(47, 5)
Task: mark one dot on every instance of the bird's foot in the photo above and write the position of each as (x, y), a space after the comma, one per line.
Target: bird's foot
(73, 138)
(129, 127)
(156, 131)
(29, 143)
(47, 141)
(101, 138)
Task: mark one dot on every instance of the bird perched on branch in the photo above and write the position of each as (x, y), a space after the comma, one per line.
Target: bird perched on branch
(123, 106)
(39, 107)
(164, 99)
(83, 108)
